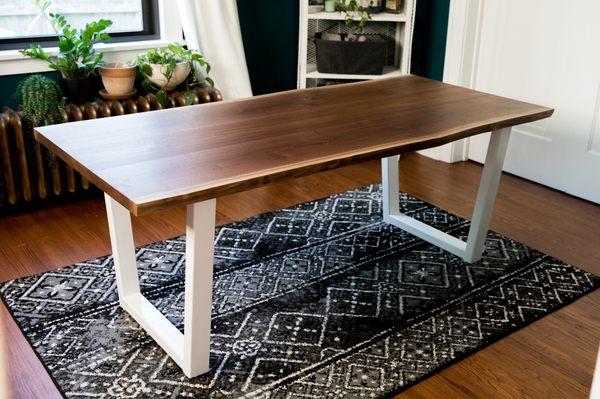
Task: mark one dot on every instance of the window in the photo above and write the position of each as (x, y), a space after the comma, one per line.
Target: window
(21, 22)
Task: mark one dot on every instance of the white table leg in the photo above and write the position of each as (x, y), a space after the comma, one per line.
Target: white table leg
(390, 183)
(486, 195)
(121, 241)
(471, 250)
(198, 286)
(595, 392)
(191, 350)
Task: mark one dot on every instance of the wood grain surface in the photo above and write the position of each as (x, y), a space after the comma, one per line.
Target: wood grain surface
(154, 160)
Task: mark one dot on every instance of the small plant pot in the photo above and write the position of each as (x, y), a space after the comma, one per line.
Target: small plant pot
(117, 78)
(158, 78)
(77, 90)
(330, 5)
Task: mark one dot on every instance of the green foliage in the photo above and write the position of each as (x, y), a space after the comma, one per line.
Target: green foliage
(170, 56)
(43, 103)
(351, 8)
(77, 57)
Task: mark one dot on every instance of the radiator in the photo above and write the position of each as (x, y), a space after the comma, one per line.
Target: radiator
(29, 175)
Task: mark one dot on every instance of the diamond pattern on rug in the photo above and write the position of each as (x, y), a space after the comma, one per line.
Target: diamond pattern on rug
(320, 300)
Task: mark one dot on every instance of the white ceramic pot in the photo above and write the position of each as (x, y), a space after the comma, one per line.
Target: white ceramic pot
(158, 78)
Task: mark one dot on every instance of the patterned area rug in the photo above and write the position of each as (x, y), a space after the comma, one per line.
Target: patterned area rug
(320, 300)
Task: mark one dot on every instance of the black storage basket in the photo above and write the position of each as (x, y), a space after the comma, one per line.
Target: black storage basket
(356, 58)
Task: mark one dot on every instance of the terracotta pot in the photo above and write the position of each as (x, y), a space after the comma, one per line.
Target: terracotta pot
(118, 78)
(77, 90)
(158, 79)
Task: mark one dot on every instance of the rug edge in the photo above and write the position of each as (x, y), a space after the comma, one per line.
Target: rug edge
(503, 335)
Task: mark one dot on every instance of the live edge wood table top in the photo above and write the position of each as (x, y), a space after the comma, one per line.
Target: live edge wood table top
(150, 161)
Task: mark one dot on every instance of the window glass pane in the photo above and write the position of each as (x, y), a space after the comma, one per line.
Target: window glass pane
(22, 18)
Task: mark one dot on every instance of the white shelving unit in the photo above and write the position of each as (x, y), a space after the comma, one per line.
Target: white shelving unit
(397, 27)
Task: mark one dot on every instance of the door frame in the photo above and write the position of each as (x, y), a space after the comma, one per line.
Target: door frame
(460, 64)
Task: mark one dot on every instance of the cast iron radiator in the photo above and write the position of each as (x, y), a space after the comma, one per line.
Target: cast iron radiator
(30, 175)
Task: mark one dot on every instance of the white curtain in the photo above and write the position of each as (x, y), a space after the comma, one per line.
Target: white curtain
(213, 28)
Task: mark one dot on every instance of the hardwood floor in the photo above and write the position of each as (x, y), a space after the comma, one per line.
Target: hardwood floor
(552, 358)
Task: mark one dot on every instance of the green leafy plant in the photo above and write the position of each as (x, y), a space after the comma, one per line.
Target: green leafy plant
(42, 104)
(77, 57)
(42, 100)
(351, 9)
(171, 56)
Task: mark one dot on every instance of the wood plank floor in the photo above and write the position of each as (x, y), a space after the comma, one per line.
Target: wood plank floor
(552, 358)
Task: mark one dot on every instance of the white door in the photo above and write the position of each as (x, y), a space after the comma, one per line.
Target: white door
(546, 52)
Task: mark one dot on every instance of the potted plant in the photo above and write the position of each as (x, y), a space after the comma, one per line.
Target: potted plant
(118, 79)
(42, 104)
(351, 10)
(164, 69)
(77, 59)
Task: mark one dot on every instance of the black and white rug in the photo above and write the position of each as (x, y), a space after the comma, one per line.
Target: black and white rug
(321, 300)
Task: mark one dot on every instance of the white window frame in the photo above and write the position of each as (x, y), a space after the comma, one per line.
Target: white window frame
(12, 62)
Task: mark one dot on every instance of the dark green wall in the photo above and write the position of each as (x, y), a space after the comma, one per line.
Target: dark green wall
(429, 40)
(270, 34)
(8, 87)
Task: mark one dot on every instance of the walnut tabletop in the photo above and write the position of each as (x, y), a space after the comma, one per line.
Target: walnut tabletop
(150, 161)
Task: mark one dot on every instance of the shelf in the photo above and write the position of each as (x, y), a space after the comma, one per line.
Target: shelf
(339, 16)
(388, 72)
(397, 28)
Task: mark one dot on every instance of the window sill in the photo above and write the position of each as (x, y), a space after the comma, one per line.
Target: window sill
(13, 63)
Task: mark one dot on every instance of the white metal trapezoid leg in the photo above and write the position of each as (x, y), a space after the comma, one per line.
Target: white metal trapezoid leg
(389, 182)
(191, 350)
(486, 194)
(595, 390)
(123, 249)
(198, 286)
(471, 250)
